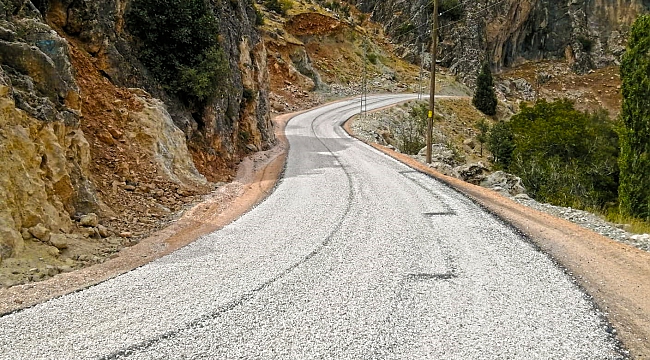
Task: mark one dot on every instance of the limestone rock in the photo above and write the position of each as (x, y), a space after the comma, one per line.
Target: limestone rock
(103, 231)
(89, 220)
(59, 241)
(40, 232)
(472, 173)
(507, 182)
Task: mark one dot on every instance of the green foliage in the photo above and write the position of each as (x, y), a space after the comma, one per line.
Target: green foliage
(411, 134)
(405, 28)
(564, 156)
(634, 162)
(179, 46)
(586, 43)
(373, 58)
(501, 144)
(484, 131)
(485, 99)
(279, 6)
(259, 17)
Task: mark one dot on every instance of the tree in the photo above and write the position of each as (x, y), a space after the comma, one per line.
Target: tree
(500, 143)
(484, 131)
(563, 156)
(179, 45)
(634, 162)
(485, 99)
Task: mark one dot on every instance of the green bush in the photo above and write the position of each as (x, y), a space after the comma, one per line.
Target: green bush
(179, 46)
(259, 17)
(635, 114)
(373, 58)
(412, 130)
(564, 156)
(485, 99)
(279, 6)
(586, 43)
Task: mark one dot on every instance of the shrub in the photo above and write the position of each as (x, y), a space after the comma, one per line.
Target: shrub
(259, 17)
(564, 156)
(279, 6)
(635, 114)
(373, 58)
(586, 43)
(485, 99)
(411, 133)
(179, 46)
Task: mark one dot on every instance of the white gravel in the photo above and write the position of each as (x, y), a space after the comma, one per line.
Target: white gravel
(354, 256)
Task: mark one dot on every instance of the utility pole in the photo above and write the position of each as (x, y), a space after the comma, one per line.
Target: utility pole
(421, 91)
(432, 101)
(364, 89)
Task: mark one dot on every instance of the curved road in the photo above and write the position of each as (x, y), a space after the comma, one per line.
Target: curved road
(353, 256)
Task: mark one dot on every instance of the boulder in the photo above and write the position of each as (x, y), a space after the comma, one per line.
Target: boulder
(504, 181)
(472, 173)
(40, 232)
(89, 220)
(59, 241)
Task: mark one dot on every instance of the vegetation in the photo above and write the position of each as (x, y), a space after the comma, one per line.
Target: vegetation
(634, 162)
(563, 156)
(451, 10)
(484, 129)
(279, 6)
(411, 134)
(485, 99)
(586, 43)
(179, 46)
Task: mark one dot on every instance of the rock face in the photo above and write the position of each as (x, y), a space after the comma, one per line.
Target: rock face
(85, 129)
(587, 33)
(225, 126)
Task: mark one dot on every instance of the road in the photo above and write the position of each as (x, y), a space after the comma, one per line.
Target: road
(353, 256)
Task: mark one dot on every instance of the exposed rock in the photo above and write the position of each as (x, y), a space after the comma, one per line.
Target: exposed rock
(504, 181)
(472, 173)
(40, 232)
(59, 241)
(154, 129)
(89, 220)
(587, 33)
(103, 231)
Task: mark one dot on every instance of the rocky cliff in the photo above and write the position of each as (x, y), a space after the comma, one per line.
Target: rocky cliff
(587, 33)
(93, 150)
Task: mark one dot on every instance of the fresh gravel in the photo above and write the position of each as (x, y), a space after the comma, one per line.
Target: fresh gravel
(353, 256)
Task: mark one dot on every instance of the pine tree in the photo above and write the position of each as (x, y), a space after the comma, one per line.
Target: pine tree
(634, 161)
(485, 99)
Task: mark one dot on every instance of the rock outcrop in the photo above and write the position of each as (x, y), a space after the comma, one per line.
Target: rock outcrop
(587, 33)
(85, 129)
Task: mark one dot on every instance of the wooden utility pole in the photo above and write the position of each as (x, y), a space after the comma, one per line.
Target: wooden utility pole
(364, 88)
(432, 101)
(421, 91)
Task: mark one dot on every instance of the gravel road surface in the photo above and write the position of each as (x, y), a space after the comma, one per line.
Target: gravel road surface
(353, 256)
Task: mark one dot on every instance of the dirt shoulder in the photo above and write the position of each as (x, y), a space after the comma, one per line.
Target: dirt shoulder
(617, 276)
